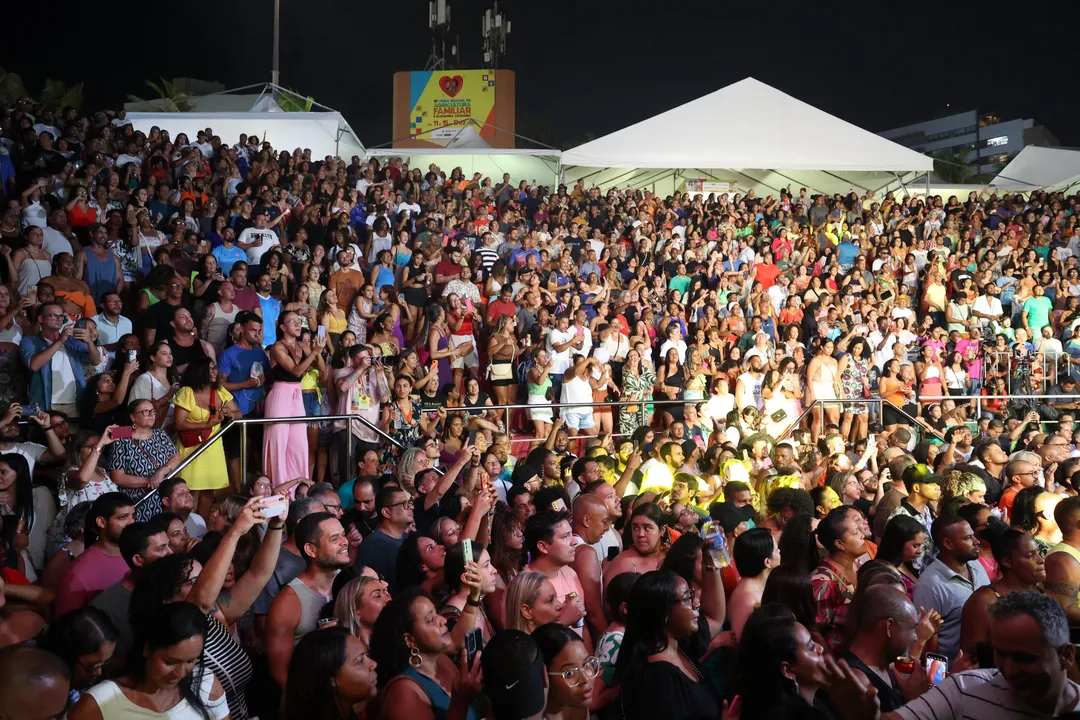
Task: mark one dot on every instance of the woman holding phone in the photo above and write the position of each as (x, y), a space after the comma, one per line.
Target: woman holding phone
(285, 445)
(202, 405)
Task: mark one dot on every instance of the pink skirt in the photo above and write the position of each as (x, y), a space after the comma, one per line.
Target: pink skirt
(285, 445)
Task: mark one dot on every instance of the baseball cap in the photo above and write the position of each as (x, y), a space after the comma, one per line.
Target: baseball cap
(514, 676)
(921, 474)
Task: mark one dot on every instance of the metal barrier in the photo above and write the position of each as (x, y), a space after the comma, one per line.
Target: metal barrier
(243, 423)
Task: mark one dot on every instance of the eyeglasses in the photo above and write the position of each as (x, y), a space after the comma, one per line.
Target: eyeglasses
(144, 413)
(688, 598)
(404, 503)
(575, 676)
(94, 669)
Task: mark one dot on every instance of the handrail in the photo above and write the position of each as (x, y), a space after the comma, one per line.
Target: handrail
(242, 423)
(862, 401)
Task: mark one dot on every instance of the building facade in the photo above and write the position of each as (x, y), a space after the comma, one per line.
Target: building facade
(994, 141)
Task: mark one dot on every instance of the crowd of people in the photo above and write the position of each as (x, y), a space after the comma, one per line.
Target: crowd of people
(578, 476)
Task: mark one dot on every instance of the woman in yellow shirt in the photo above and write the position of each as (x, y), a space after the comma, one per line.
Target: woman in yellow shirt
(201, 406)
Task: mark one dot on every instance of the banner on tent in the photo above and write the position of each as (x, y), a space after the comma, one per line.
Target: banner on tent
(452, 108)
(711, 186)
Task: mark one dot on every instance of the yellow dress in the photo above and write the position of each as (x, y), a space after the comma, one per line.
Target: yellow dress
(208, 471)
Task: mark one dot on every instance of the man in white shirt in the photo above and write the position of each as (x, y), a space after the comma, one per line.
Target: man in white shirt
(111, 324)
(674, 335)
(257, 241)
(58, 237)
(987, 307)
(1049, 347)
(365, 182)
(560, 342)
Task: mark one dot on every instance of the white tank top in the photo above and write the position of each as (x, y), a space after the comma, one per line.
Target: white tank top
(112, 703)
(219, 327)
(577, 390)
(12, 335)
(31, 272)
(751, 390)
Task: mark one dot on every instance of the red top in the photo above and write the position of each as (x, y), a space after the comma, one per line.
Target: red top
(78, 217)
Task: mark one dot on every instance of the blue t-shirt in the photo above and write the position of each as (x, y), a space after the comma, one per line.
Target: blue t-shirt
(235, 364)
(846, 252)
(227, 257)
(271, 309)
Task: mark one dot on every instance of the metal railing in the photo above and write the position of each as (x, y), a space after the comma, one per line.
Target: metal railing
(242, 424)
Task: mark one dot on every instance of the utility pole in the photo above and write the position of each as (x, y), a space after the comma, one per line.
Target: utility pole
(275, 74)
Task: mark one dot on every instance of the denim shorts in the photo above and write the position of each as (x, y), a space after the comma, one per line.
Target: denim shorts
(314, 407)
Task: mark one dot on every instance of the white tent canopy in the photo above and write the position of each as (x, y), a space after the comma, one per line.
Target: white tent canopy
(540, 167)
(748, 133)
(1051, 168)
(324, 131)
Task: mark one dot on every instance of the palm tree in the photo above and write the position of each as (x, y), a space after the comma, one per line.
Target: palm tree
(170, 98)
(292, 101)
(11, 87)
(55, 95)
(950, 164)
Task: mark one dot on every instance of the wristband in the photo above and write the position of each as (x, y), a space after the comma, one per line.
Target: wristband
(472, 603)
(273, 526)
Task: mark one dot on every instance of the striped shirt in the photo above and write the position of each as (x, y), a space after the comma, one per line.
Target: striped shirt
(976, 694)
(488, 258)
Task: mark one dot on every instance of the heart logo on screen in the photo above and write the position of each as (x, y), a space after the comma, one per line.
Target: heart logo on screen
(451, 85)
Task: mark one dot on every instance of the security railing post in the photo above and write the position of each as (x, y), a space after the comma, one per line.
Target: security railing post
(348, 452)
(243, 455)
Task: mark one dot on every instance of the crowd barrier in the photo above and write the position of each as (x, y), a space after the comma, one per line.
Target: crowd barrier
(242, 423)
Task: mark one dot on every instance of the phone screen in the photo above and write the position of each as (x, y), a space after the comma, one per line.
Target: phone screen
(936, 667)
(474, 643)
(122, 432)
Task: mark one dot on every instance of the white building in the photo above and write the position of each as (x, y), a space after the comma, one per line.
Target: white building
(995, 140)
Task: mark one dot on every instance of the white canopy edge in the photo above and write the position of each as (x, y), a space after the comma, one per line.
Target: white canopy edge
(1049, 168)
(324, 133)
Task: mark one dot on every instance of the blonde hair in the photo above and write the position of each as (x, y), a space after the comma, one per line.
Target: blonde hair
(523, 590)
(957, 483)
(348, 602)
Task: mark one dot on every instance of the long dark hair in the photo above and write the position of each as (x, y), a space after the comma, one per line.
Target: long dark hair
(899, 531)
(388, 634)
(768, 639)
(310, 691)
(24, 499)
(797, 545)
(682, 557)
(77, 633)
(157, 584)
(197, 375)
(789, 585)
(164, 626)
(648, 607)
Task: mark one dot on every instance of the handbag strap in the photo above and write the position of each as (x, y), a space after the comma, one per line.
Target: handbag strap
(149, 457)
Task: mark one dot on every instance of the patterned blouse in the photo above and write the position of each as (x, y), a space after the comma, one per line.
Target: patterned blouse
(833, 596)
(142, 458)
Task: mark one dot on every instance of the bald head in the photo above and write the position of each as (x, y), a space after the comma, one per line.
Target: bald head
(882, 602)
(591, 518)
(34, 684)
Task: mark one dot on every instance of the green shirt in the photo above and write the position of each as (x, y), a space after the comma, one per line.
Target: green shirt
(1038, 312)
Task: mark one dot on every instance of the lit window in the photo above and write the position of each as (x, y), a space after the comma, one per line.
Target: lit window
(998, 141)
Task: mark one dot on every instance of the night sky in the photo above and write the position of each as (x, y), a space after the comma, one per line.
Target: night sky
(584, 68)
